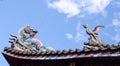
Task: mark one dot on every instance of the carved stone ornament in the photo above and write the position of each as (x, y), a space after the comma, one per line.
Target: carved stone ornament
(94, 40)
(25, 40)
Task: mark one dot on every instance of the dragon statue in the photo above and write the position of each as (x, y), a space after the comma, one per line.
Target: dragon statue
(94, 39)
(26, 41)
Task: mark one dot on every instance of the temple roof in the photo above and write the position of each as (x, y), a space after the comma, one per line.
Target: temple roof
(111, 51)
(32, 49)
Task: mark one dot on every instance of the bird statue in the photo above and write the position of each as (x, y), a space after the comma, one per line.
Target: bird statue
(94, 39)
(95, 31)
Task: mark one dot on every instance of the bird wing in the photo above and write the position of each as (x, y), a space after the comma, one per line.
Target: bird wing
(96, 29)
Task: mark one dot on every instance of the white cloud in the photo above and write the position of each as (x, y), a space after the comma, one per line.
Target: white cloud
(116, 15)
(116, 25)
(117, 37)
(117, 4)
(96, 6)
(69, 36)
(79, 7)
(65, 6)
(79, 33)
(79, 36)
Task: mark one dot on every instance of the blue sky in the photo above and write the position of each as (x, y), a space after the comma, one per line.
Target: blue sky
(59, 22)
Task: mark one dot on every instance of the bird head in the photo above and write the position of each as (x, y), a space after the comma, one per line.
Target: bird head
(85, 26)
